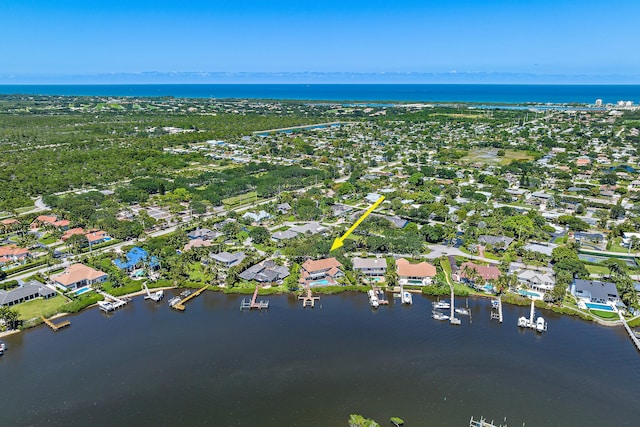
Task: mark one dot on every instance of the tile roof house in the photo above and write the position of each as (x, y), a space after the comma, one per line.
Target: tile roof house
(11, 254)
(50, 220)
(28, 291)
(320, 272)
(78, 275)
(595, 291)
(372, 267)
(196, 243)
(415, 274)
(265, 272)
(93, 236)
(487, 272)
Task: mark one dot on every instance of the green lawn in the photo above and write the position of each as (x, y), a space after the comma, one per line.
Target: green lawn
(604, 314)
(484, 155)
(48, 240)
(597, 269)
(37, 307)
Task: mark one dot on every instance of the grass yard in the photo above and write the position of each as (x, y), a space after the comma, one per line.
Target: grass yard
(604, 314)
(597, 269)
(489, 156)
(40, 307)
(48, 240)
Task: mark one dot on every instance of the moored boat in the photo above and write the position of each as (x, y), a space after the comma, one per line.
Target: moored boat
(3, 348)
(463, 310)
(407, 298)
(373, 299)
(439, 315)
(441, 304)
(541, 324)
(173, 301)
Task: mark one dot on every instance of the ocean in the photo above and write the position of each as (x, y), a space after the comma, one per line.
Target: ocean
(468, 93)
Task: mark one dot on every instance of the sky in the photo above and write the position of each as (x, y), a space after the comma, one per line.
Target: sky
(63, 38)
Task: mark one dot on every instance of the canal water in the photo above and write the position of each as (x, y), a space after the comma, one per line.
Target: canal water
(214, 365)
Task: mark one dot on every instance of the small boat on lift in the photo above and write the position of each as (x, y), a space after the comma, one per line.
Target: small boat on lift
(441, 304)
(373, 299)
(3, 348)
(407, 298)
(439, 315)
(173, 301)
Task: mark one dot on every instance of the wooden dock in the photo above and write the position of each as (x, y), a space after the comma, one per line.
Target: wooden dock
(254, 303)
(180, 305)
(633, 336)
(55, 327)
(308, 300)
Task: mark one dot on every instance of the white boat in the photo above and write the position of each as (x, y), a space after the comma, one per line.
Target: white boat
(463, 310)
(541, 325)
(494, 303)
(173, 301)
(3, 347)
(523, 322)
(439, 316)
(373, 299)
(407, 298)
(455, 321)
(441, 304)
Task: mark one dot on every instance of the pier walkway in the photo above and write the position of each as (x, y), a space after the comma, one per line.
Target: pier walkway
(180, 305)
(55, 327)
(254, 303)
(110, 303)
(496, 312)
(633, 336)
(308, 300)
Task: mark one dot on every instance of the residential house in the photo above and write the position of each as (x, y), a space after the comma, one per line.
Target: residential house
(257, 217)
(228, 259)
(12, 254)
(283, 208)
(9, 223)
(137, 258)
(487, 272)
(415, 274)
(94, 237)
(196, 243)
(78, 275)
(204, 234)
(320, 272)
(50, 220)
(544, 248)
(265, 272)
(537, 280)
(595, 291)
(370, 267)
(26, 292)
(498, 242)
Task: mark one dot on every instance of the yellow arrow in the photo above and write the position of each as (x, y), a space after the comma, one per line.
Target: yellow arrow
(339, 240)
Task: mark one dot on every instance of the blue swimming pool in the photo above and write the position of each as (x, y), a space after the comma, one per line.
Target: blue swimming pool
(319, 282)
(82, 290)
(595, 306)
(530, 294)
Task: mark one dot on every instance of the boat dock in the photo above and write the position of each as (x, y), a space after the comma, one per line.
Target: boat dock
(180, 305)
(110, 303)
(452, 317)
(496, 309)
(308, 300)
(633, 336)
(482, 422)
(382, 298)
(55, 327)
(254, 303)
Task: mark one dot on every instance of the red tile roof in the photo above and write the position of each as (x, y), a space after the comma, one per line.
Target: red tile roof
(487, 272)
(423, 269)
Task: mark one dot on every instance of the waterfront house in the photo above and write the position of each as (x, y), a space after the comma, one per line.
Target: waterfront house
(196, 243)
(370, 267)
(78, 275)
(595, 291)
(228, 259)
(415, 274)
(320, 272)
(265, 272)
(26, 292)
(137, 258)
(536, 280)
(486, 272)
